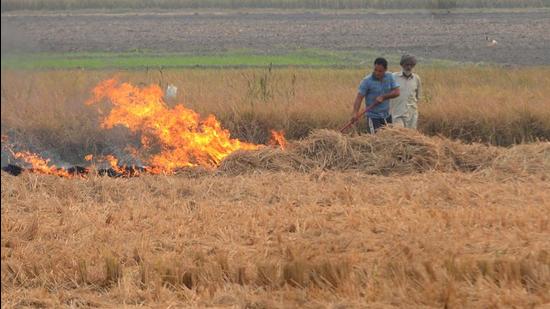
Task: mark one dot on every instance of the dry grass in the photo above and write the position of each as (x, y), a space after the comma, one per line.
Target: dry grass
(277, 240)
(455, 226)
(491, 105)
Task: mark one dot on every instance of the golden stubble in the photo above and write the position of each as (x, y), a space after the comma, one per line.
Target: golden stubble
(324, 236)
(277, 240)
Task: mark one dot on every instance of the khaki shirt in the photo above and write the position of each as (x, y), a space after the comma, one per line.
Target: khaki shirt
(410, 89)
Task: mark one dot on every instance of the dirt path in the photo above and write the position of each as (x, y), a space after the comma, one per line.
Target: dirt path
(456, 36)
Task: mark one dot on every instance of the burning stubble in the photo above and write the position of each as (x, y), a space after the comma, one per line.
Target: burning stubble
(179, 134)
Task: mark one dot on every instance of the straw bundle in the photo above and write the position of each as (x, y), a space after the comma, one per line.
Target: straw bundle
(402, 151)
(265, 158)
(391, 151)
(328, 150)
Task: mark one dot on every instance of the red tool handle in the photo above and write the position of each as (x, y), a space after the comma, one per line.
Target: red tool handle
(369, 107)
(349, 124)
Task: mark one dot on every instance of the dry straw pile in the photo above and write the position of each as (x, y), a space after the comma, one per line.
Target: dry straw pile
(392, 151)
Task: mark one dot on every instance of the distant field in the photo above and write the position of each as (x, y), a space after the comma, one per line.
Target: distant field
(126, 38)
(284, 4)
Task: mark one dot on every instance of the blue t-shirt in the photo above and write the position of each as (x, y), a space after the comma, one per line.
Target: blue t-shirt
(371, 88)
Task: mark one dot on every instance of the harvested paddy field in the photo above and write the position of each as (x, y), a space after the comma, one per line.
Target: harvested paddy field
(121, 196)
(392, 220)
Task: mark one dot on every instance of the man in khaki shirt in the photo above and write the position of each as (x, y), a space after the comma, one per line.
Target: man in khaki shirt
(404, 109)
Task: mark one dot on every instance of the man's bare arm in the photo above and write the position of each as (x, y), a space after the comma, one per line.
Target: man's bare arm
(357, 105)
(394, 93)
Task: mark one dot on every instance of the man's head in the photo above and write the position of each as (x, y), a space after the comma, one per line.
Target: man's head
(380, 67)
(407, 63)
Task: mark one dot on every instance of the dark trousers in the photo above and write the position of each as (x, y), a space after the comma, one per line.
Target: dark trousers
(376, 123)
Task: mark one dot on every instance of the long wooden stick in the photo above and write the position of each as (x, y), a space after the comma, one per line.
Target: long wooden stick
(349, 124)
(353, 121)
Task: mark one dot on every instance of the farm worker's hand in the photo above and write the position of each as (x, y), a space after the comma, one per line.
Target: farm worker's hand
(379, 99)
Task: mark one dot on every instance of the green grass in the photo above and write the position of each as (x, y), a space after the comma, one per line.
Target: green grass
(103, 60)
(138, 60)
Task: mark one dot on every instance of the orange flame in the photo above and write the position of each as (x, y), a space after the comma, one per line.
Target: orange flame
(40, 165)
(114, 164)
(278, 138)
(184, 139)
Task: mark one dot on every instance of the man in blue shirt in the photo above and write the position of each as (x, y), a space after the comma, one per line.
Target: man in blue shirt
(377, 89)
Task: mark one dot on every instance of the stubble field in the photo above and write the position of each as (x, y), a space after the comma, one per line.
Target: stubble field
(412, 222)
(452, 216)
(277, 240)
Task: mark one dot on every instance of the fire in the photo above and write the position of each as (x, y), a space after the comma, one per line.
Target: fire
(278, 138)
(113, 162)
(171, 138)
(40, 165)
(183, 138)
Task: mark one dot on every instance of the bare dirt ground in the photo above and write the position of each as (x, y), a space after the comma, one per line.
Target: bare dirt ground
(455, 36)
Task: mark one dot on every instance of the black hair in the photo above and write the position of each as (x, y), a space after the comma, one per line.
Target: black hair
(381, 61)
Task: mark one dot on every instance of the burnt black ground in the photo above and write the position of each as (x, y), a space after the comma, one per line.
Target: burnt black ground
(122, 171)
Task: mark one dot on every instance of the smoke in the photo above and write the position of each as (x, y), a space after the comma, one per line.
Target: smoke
(117, 141)
(12, 145)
